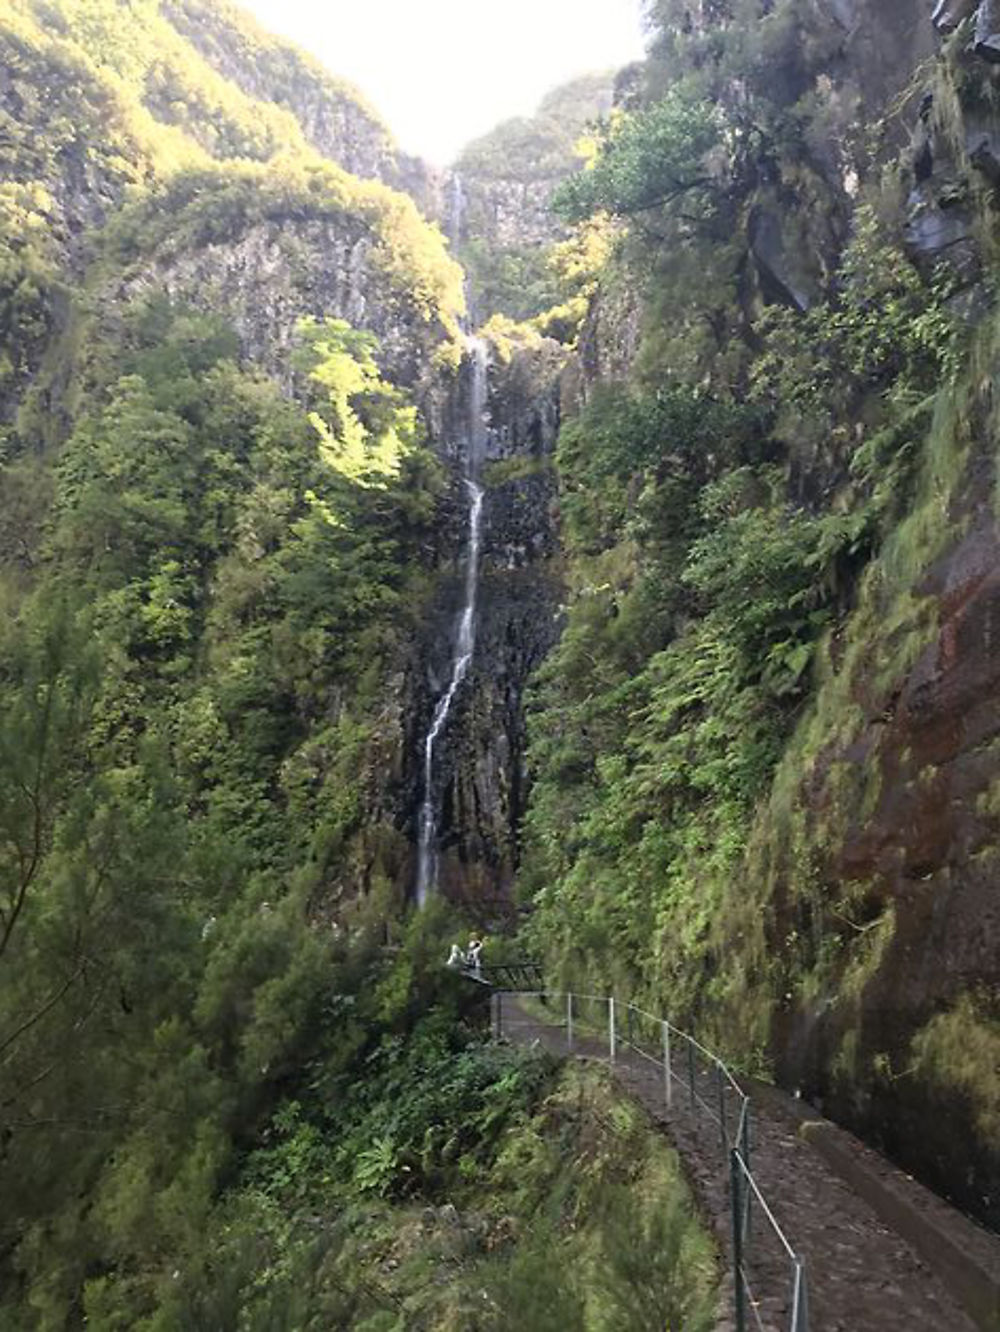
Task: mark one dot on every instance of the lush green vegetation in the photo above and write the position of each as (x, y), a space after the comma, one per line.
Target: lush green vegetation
(648, 160)
(184, 775)
(509, 241)
(461, 1185)
(271, 69)
(161, 62)
(546, 145)
(221, 204)
(108, 102)
(225, 1102)
(237, 1088)
(720, 511)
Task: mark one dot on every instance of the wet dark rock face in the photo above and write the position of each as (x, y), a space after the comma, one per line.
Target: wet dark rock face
(900, 813)
(480, 778)
(949, 15)
(928, 852)
(940, 223)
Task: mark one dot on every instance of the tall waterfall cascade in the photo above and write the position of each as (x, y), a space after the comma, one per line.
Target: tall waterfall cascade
(455, 217)
(465, 639)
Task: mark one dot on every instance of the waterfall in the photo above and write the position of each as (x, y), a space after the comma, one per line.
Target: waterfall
(465, 643)
(456, 209)
(454, 229)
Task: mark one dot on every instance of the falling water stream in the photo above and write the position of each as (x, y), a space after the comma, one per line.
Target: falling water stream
(456, 209)
(465, 643)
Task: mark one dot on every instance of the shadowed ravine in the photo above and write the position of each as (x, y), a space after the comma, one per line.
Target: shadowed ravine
(592, 544)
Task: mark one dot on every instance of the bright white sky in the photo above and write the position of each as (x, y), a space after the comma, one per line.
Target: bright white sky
(442, 72)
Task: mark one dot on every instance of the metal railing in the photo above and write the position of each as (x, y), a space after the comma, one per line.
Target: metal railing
(509, 977)
(769, 1276)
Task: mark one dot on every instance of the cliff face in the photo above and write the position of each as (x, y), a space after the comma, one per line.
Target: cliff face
(112, 185)
(234, 423)
(93, 104)
(496, 201)
(880, 840)
(267, 273)
(843, 921)
(334, 117)
(480, 781)
(262, 247)
(836, 909)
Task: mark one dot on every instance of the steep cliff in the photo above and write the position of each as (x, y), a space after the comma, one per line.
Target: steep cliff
(96, 100)
(764, 747)
(498, 196)
(479, 778)
(334, 116)
(223, 359)
(726, 730)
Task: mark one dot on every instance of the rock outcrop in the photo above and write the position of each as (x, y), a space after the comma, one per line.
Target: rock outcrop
(497, 198)
(270, 274)
(480, 779)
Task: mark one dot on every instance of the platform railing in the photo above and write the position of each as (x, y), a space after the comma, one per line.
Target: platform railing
(769, 1275)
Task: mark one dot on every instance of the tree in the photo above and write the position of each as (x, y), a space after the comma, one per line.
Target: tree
(49, 682)
(648, 160)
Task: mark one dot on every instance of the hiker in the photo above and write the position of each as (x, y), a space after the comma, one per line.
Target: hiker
(456, 958)
(473, 955)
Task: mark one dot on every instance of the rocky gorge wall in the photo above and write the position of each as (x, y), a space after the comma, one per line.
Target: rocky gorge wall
(852, 939)
(334, 116)
(480, 780)
(100, 105)
(878, 849)
(495, 202)
(264, 278)
(863, 935)
(263, 247)
(873, 861)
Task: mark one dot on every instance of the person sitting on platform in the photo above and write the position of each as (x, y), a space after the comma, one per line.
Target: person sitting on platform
(456, 958)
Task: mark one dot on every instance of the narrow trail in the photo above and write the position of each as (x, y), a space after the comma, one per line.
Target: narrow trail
(863, 1276)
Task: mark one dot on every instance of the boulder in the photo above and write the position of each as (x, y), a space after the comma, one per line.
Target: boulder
(982, 143)
(948, 14)
(779, 259)
(987, 40)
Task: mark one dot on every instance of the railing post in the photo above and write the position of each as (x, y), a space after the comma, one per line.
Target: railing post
(744, 1150)
(738, 1293)
(612, 1034)
(569, 1021)
(800, 1304)
(668, 1085)
(690, 1049)
(721, 1084)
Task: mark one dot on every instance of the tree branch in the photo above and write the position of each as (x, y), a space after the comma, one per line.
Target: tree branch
(39, 1013)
